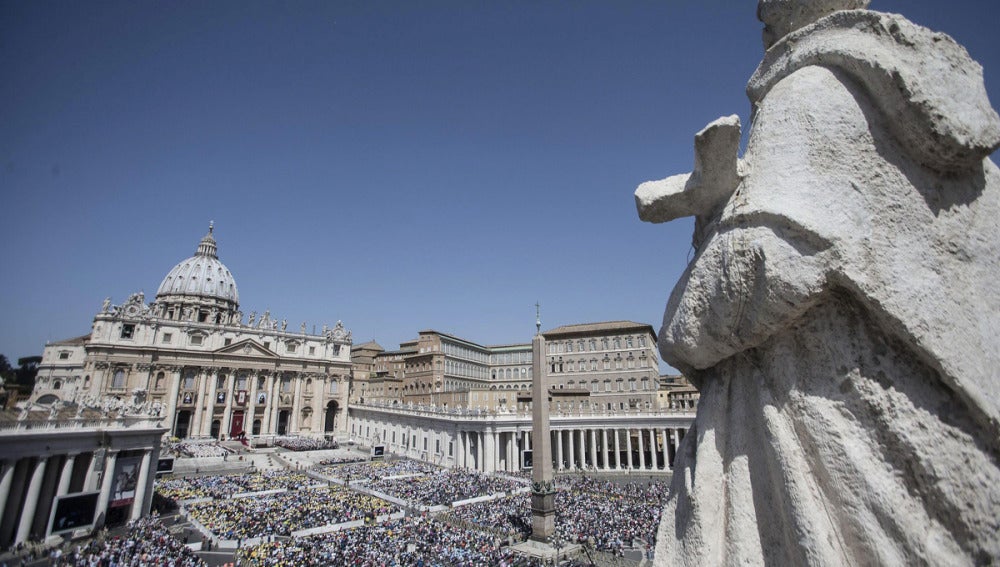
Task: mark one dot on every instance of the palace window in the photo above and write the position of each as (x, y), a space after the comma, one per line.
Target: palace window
(220, 382)
(312, 350)
(159, 381)
(57, 385)
(63, 355)
(290, 347)
(241, 381)
(197, 339)
(167, 337)
(128, 330)
(188, 380)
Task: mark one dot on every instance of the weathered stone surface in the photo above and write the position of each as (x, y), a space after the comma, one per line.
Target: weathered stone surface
(841, 316)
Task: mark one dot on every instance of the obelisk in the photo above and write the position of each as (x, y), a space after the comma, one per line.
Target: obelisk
(543, 488)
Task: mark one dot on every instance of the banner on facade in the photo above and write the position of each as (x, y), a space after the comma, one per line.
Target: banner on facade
(123, 484)
(241, 397)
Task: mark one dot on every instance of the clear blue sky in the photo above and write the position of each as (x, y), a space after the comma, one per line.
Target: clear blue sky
(396, 165)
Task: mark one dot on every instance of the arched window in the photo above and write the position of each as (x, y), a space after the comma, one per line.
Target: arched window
(57, 385)
(159, 381)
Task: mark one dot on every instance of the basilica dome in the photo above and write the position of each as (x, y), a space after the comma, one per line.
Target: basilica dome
(201, 276)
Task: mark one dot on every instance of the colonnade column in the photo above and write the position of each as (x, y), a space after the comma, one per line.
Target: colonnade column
(677, 442)
(31, 501)
(618, 452)
(593, 447)
(65, 476)
(628, 448)
(605, 453)
(138, 504)
(6, 478)
(652, 449)
(110, 458)
(559, 449)
(571, 461)
(642, 452)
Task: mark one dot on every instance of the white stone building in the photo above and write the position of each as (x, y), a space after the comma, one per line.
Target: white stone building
(191, 354)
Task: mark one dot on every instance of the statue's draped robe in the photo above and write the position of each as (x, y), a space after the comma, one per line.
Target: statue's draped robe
(841, 316)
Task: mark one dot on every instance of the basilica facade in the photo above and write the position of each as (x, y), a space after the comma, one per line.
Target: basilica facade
(190, 355)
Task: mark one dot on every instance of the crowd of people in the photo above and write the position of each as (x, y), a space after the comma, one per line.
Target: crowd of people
(224, 486)
(611, 516)
(444, 487)
(146, 543)
(305, 443)
(283, 513)
(187, 449)
(342, 460)
(378, 469)
(410, 541)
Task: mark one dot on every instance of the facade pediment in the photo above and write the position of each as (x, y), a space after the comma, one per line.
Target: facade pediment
(248, 347)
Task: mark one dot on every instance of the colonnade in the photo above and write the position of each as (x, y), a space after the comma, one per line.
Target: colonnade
(30, 486)
(490, 443)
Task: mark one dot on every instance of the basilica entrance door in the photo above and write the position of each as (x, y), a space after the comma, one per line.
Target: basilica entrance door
(236, 425)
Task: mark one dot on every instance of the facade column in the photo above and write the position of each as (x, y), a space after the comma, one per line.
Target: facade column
(605, 453)
(296, 405)
(642, 452)
(175, 392)
(250, 410)
(31, 501)
(265, 418)
(194, 428)
(227, 411)
(275, 402)
(559, 449)
(6, 479)
(66, 475)
(206, 402)
(618, 452)
(139, 503)
(583, 448)
(628, 448)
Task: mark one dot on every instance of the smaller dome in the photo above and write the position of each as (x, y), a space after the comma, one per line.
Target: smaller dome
(201, 275)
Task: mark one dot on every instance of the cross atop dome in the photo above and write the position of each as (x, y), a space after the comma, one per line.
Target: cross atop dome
(207, 246)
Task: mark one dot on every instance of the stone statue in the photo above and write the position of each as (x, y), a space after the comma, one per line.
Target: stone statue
(284, 324)
(253, 317)
(840, 316)
(106, 305)
(302, 329)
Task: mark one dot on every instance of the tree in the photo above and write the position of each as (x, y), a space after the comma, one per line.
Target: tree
(6, 370)
(27, 370)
